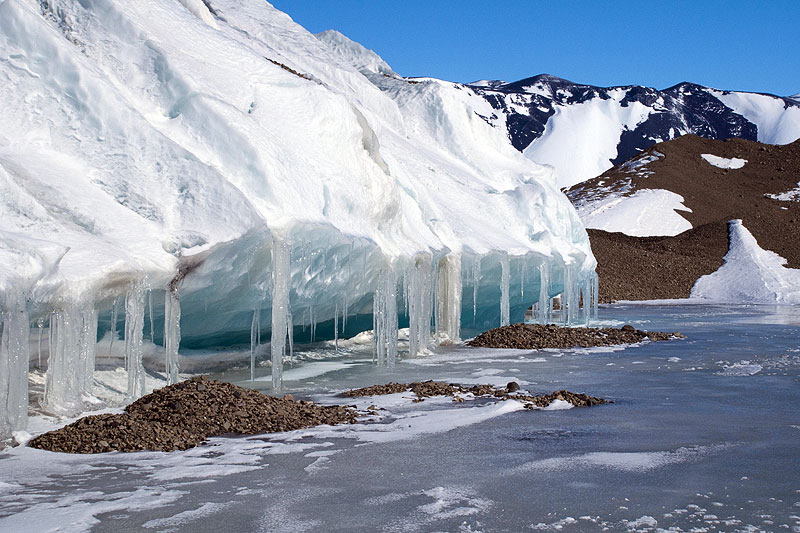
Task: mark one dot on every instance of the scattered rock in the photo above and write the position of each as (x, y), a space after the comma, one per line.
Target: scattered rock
(426, 389)
(184, 415)
(537, 336)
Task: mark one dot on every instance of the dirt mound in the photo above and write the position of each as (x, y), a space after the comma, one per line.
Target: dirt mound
(656, 268)
(183, 415)
(426, 389)
(537, 336)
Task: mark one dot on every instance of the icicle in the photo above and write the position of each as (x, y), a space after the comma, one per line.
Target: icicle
(14, 359)
(595, 294)
(344, 313)
(150, 315)
(586, 294)
(385, 317)
(523, 271)
(280, 307)
(70, 366)
(88, 345)
(375, 307)
(313, 323)
(114, 317)
(134, 328)
(255, 328)
(505, 310)
(420, 308)
(172, 333)
(476, 280)
(290, 331)
(448, 307)
(544, 294)
(336, 328)
(40, 327)
(566, 296)
(405, 293)
(570, 297)
(434, 303)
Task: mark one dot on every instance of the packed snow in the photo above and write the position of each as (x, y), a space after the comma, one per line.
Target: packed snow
(724, 162)
(792, 195)
(749, 274)
(252, 177)
(645, 213)
(580, 140)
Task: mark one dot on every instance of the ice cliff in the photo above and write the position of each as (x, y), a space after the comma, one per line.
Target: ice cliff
(218, 158)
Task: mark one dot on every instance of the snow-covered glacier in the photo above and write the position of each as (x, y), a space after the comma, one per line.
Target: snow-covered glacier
(215, 167)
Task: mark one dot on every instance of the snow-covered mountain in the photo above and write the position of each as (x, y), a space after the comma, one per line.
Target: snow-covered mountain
(583, 130)
(220, 158)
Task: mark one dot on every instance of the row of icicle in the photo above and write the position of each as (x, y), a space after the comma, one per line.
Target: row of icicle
(431, 297)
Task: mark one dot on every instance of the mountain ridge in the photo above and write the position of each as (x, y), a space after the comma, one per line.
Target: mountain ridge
(544, 113)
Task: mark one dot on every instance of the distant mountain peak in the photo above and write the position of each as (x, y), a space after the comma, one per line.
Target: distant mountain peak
(551, 119)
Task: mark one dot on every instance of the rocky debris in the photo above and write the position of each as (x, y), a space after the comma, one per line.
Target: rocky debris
(184, 415)
(426, 389)
(423, 389)
(537, 336)
(656, 268)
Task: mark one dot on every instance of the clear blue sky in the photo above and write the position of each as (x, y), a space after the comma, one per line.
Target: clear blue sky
(738, 45)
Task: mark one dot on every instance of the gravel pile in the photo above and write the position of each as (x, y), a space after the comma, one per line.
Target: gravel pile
(426, 389)
(183, 415)
(537, 336)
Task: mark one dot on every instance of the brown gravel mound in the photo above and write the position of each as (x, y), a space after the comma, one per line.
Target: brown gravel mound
(536, 336)
(183, 415)
(655, 268)
(426, 389)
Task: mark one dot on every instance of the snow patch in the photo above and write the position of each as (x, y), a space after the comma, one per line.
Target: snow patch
(723, 162)
(792, 195)
(749, 274)
(646, 213)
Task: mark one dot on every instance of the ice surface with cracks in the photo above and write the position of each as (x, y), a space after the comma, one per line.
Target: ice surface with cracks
(154, 139)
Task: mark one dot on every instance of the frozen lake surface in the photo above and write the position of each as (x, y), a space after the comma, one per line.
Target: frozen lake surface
(704, 436)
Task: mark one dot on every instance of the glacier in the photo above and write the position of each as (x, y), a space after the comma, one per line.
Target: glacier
(257, 179)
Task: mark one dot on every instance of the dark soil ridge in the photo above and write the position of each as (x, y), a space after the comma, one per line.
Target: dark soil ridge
(427, 389)
(184, 415)
(538, 336)
(656, 268)
(644, 268)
